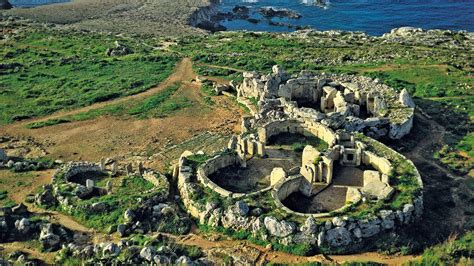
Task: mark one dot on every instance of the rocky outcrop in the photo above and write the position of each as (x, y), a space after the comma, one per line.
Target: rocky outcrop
(271, 12)
(4, 4)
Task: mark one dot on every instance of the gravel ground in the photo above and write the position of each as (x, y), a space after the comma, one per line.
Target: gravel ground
(144, 17)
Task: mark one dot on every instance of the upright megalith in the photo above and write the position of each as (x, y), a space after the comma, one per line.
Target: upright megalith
(3, 156)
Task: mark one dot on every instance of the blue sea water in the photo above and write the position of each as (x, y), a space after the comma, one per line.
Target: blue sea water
(374, 17)
(33, 3)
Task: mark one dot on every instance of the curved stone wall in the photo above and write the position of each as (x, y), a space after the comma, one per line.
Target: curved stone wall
(307, 128)
(74, 168)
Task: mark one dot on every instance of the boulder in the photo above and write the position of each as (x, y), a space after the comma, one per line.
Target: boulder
(98, 207)
(122, 230)
(406, 100)
(46, 198)
(111, 250)
(338, 222)
(23, 225)
(48, 239)
(369, 227)
(339, 236)
(129, 216)
(83, 192)
(278, 228)
(310, 226)
(161, 260)
(183, 260)
(20, 209)
(242, 208)
(147, 253)
(387, 218)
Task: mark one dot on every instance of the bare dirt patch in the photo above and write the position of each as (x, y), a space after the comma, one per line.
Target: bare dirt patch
(110, 136)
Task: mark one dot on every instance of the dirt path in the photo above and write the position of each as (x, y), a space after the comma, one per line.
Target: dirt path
(7, 248)
(182, 72)
(280, 257)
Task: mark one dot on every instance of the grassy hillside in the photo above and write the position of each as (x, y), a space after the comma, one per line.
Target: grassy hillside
(44, 71)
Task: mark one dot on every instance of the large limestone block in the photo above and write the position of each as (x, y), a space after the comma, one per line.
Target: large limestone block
(277, 175)
(371, 176)
(406, 100)
(278, 228)
(310, 155)
(378, 190)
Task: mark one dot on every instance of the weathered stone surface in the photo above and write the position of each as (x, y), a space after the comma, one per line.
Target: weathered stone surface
(406, 100)
(129, 216)
(3, 156)
(369, 227)
(277, 175)
(111, 250)
(148, 253)
(242, 208)
(23, 225)
(278, 228)
(388, 219)
(338, 236)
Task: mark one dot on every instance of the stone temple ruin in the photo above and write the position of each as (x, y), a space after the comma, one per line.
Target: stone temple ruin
(328, 186)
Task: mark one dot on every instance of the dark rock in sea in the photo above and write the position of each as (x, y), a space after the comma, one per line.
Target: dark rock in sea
(211, 26)
(280, 24)
(4, 4)
(253, 20)
(242, 10)
(270, 12)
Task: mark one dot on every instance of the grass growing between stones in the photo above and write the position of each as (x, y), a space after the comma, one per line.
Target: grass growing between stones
(124, 196)
(47, 70)
(440, 78)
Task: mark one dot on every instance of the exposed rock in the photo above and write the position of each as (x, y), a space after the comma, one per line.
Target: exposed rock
(20, 209)
(129, 216)
(46, 198)
(369, 227)
(98, 207)
(48, 239)
(183, 260)
(111, 250)
(4, 4)
(338, 236)
(148, 253)
(23, 225)
(119, 50)
(279, 12)
(242, 208)
(280, 229)
(3, 154)
(122, 230)
(406, 100)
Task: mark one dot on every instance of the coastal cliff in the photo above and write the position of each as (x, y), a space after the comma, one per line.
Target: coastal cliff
(4, 4)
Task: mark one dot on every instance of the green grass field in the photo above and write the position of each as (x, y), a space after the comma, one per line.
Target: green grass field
(48, 71)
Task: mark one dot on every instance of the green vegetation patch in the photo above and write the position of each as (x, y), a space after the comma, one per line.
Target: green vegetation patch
(124, 197)
(48, 70)
(453, 252)
(158, 105)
